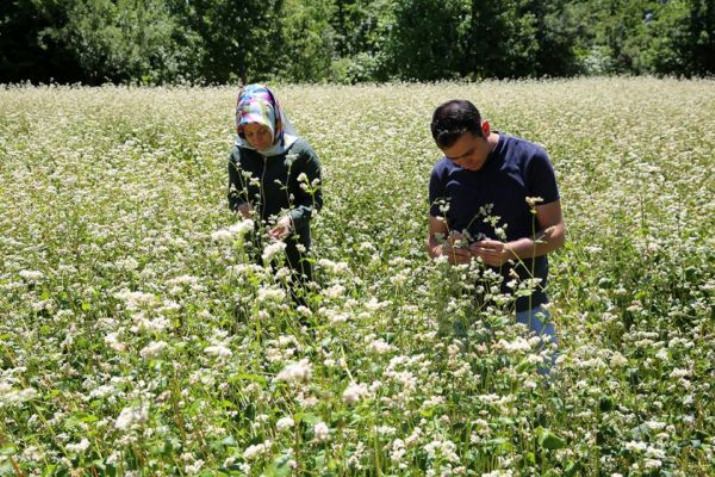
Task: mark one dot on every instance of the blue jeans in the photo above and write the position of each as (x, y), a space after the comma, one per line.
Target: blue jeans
(538, 320)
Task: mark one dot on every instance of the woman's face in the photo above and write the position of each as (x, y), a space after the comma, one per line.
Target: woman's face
(258, 136)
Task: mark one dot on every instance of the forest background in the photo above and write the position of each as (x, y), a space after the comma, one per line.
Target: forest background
(349, 41)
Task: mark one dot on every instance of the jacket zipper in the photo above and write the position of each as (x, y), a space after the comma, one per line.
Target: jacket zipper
(263, 178)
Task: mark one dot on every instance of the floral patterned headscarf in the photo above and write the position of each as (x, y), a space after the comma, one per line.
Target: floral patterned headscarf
(257, 104)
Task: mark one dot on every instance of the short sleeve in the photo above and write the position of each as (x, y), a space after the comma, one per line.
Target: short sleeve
(541, 180)
(437, 195)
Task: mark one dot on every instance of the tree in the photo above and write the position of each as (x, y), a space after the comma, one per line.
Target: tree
(126, 40)
(307, 45)
(682, 38)
(241, 39)
(500, 39)
(26, 52)
(425, 41)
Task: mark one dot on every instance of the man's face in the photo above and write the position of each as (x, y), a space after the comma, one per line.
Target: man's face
(468, 152)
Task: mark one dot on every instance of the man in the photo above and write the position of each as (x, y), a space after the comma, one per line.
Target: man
(494, 197)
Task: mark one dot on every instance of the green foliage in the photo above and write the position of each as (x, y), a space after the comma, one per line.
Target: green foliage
(126, 40)
(306, 50)
(424, 43)
(240, 39)
(349, 41)
(121, 272)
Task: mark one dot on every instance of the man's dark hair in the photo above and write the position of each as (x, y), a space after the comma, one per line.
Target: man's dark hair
(452, 119)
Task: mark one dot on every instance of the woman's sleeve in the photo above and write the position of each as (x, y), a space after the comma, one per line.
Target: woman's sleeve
(309, 195)
(237, 192)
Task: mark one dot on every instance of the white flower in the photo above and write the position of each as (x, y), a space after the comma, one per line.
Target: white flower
(636, 446)
(128, 264)
(113, 342)
(296, 372)
(354, 392)
(31, 275)
(254, 451)
(218, 350)
(153, 349)
(498, 473)
(222, 235)
(271, 250)
(335, 291)
(81, 446)
(618, 360)
(397, 451)
(655, 425)
(131, 416)
(380, 346)
(680, 373)
(271, 294)
(516, 346)
(321, 431)
(241, 228)
(16, 397)
(285, 423)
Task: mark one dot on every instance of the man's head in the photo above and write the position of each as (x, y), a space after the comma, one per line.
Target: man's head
(459, 131)
(452, 119)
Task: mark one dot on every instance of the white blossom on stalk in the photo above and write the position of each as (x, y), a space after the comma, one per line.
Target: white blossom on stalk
(354, 392)
(223, 235)
(113, 342)
(256, 450)
(31, 275)
(380, 346)
(131, 416)
(516, 346)
(81, 446)
(285, 423)
(321, 431)
(272, 249)
(618, 360)
(296, 372)
(153, 349)
(271, 294)
(219, 351)
(242, 227)
(397, 451)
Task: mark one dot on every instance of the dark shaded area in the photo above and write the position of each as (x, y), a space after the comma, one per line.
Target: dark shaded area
(348, 41)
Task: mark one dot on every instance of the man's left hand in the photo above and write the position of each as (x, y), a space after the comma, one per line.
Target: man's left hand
(493, 252)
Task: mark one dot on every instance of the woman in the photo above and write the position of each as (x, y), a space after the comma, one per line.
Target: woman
(274, 176)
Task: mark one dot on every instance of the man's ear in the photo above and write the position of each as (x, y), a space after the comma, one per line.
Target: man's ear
(486, 128)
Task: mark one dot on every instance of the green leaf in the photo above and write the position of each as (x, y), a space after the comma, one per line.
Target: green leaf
(549, 440)
(9, 450)
(280, 467)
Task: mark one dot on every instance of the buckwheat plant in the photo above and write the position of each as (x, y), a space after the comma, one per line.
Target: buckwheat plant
(140, 335)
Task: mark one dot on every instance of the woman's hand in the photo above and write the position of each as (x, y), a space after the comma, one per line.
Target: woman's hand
(245, 210)
(282, 229)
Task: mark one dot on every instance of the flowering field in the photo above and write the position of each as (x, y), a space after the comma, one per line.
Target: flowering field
(121, 271)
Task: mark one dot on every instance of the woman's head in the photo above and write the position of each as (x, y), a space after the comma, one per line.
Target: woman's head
(258, 117)
(257, 135)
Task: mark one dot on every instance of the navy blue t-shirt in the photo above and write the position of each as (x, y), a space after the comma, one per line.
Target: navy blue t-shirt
(514, 170)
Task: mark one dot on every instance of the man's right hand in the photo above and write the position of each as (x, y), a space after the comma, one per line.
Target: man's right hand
(455, 249)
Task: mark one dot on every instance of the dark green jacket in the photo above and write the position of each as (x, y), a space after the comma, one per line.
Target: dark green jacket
(270, 184)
